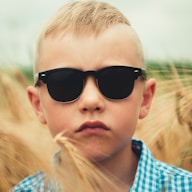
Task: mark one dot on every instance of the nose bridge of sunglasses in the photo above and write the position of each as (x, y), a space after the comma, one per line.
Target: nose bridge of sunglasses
(92, 74)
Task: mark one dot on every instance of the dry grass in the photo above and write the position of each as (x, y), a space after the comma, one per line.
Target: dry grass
(16, 161)
(79, 170)
(167, 130)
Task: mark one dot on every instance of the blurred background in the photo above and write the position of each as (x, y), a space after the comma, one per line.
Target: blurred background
(164, 27)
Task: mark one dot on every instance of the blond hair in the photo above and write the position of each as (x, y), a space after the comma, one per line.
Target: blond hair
(81, 18)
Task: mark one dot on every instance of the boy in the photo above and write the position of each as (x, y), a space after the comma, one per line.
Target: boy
(90, 82)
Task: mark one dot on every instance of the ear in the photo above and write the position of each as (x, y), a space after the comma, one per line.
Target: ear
(148, 94)
(36, 103)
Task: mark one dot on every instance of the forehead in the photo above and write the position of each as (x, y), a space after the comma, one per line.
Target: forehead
(118, 44)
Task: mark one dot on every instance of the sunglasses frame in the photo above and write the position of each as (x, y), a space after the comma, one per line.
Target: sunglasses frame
(43, 76)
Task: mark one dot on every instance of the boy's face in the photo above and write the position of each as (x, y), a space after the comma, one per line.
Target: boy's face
(102, 128)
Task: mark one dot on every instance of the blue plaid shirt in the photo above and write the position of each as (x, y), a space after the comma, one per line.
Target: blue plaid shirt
(151, 176)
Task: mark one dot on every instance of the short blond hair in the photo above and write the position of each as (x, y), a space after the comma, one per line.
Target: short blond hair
(80, 18)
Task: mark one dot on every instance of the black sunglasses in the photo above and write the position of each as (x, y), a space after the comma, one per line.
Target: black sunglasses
(66, 84)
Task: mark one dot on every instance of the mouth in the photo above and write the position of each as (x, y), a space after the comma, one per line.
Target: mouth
(95, 127)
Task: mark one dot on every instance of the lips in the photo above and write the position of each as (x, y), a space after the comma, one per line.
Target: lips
(92, 126)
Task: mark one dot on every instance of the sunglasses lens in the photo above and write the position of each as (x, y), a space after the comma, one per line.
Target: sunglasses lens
(116, 83)
(65, 86)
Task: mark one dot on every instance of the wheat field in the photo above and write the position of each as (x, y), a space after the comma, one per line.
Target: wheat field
(25, 143)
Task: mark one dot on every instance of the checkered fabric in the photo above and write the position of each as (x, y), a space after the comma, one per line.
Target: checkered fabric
(35, 183)
(155, 176)
(151, 176)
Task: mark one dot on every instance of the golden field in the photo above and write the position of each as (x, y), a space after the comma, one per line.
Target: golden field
(25, 143)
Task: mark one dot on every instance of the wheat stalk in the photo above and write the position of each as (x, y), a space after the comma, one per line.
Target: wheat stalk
(17, 161)
(73, 167)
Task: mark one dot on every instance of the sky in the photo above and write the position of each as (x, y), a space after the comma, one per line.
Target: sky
(164, 27)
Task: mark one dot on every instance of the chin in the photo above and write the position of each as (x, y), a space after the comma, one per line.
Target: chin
(93, 153)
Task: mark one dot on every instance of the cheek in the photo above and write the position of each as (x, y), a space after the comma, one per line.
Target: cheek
(127, 116)
(127, 113)
(57, 117)
(56, 125)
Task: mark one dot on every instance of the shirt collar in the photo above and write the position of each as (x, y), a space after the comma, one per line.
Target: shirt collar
(145, 175)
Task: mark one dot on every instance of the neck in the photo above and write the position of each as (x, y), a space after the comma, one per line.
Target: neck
(121, 168)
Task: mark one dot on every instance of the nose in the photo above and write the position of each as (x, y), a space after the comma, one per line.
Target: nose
(91, 100)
